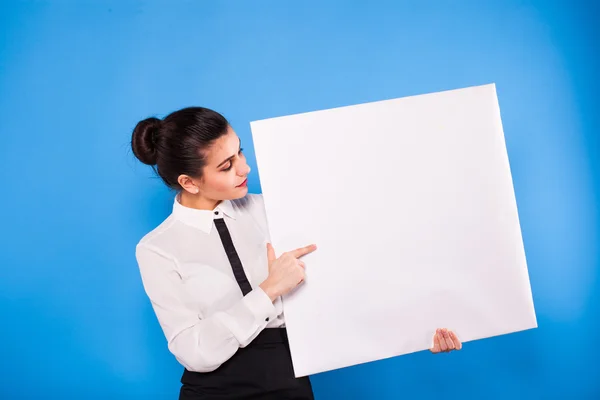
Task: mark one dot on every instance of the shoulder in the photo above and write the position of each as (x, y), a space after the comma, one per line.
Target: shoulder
(156, 233)
(157, 240)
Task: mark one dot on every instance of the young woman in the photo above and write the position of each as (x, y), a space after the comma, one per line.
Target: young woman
(209, 270)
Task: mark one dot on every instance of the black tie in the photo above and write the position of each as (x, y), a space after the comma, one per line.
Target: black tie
(234, 259)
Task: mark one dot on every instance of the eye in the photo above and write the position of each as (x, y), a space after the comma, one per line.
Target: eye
(231, 163)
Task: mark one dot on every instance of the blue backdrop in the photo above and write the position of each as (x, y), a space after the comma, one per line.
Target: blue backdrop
(75, 77)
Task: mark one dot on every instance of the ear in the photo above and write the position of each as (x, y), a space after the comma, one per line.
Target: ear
(188, 184)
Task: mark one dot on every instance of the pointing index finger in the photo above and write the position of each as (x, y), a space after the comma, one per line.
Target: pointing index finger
(302, 251)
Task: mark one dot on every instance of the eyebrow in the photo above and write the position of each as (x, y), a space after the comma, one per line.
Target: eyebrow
(229, 158)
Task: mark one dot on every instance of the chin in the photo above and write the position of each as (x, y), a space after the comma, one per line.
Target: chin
(239, 193)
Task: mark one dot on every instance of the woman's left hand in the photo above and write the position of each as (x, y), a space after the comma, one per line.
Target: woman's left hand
(444, 341)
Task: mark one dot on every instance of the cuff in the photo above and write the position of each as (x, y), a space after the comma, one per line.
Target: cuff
(260, 305)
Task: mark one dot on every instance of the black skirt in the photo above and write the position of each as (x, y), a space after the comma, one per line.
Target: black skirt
(262, 370)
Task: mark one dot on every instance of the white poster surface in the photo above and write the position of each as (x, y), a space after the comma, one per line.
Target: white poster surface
(411, 204)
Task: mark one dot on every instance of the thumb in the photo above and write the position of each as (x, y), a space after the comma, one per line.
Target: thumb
(270, 253)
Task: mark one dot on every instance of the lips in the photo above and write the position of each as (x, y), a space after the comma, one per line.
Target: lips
(243, 183)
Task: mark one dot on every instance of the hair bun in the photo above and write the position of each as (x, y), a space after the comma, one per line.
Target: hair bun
(143, 140)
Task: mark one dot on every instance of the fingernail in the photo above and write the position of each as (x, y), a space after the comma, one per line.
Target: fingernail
(445, 332)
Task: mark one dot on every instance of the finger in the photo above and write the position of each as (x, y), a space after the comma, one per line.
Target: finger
(447, 339)
(302, 251)
(443, 345)
(301, 263)
(457, 343)
(436, 344)
(270, 253)
(302, 277)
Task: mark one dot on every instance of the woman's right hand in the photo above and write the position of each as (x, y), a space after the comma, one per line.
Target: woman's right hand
(285, 272)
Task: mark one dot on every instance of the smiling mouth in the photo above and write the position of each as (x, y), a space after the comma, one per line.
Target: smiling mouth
(243, 183)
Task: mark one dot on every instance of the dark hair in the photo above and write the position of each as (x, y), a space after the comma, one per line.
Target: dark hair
(177, 144)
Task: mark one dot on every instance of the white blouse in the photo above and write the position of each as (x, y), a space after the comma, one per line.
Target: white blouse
(190, 283)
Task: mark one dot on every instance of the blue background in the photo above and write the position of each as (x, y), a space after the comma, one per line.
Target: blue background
(76, 77)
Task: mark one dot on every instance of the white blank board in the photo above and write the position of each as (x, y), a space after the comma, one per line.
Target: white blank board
(411, 204)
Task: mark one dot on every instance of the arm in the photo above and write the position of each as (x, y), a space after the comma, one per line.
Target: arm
(199, 343)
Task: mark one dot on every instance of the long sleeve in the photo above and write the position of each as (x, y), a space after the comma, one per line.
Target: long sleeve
(199, 343)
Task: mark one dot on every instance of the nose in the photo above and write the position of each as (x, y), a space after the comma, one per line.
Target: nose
(244, 169)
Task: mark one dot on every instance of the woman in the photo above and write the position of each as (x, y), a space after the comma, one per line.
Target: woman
(211, 275)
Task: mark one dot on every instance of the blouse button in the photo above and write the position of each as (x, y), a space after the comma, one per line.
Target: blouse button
(216, 213)
(267, 319)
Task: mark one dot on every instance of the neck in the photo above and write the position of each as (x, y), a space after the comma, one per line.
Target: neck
(196, 201)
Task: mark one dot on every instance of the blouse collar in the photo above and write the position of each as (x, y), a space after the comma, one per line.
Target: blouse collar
(202, 219)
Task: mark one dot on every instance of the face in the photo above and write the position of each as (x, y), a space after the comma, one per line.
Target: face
(225, 175)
